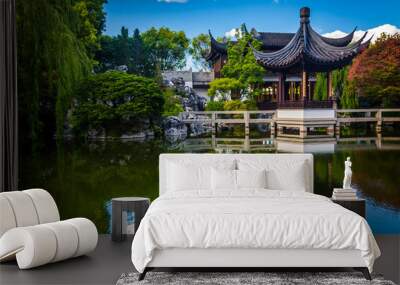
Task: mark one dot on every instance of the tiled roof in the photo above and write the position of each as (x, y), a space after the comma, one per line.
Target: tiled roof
(307, 50)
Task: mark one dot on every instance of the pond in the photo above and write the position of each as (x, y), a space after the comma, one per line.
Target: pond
(84, 177)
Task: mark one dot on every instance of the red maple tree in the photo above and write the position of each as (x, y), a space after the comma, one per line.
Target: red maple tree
(376, 72)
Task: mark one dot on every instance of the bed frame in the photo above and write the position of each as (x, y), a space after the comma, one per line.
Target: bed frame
(247, 259)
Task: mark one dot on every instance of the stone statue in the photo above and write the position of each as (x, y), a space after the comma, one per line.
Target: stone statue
(347, 174)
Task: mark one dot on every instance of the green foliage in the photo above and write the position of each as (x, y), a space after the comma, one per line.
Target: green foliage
(231, 105)
(348, 99)
(146, 54)
(390, 96)
(117, 51)
(320, 89)
(342, 88)
(199, 48)
(172, 104)
(92, 22)
(237, 105)
(116, 99)
(242, 76)
(139, 63)
(242, 65)
(225, 87)
(215, 106)
(165, 48)
(54, 52)
(123, 54)
(339, 78)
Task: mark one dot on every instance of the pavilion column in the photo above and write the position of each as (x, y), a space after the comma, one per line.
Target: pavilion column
(304, 85)
(282, 79)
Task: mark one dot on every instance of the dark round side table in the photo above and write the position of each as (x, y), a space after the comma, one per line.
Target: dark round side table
(127, 212)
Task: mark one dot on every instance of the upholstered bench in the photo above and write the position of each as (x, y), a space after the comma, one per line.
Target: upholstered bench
(31, 230)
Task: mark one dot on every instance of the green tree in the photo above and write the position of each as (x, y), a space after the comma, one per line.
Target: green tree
(242, 65)
(349, 100)
(146, 54)
(116, 100)
(139, 64)
(165, 48)
(225, 88)
(92, 22)
(242, 75)
(106, 55)
(124, 53)
(320, 89)
(199, 49)
(339, 78)
(54, 53)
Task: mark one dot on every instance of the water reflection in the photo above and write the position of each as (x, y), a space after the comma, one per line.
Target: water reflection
(247, 144)
(83, 177)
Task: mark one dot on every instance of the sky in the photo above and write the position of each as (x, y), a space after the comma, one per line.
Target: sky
(221, 16)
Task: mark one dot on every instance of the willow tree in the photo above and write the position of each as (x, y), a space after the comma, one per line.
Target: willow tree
(320, 90)
(339, 83)
(339, 79)
(55, 40)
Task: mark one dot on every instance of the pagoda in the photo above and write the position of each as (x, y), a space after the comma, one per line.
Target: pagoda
(291, 61)
(308, 52)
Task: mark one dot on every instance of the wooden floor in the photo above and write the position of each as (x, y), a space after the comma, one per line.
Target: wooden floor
(110, 260)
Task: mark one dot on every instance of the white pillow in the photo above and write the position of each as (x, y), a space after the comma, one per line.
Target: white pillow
(193, 175)
(281, 174)
(223, 179)
(182, 177)
(251, 178)
(291, 178)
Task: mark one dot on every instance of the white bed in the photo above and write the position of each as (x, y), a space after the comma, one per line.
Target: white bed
(198, 222)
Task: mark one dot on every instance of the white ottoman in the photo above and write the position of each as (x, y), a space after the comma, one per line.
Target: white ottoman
(31, 232)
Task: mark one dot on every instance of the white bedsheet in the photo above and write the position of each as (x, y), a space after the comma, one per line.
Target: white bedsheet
(250, 219)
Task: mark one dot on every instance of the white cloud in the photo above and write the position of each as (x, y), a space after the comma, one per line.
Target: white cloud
(376, 32)
(335, 34)
(233, 33)
(173, 1)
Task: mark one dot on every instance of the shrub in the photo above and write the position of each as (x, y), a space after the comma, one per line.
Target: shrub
(116, 99)
(237, 105)
(225, 87)
(215, 106)
(172, 104)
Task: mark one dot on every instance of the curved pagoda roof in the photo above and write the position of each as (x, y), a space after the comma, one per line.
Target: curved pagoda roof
(216, 48)
(309, 51)
(270, 41)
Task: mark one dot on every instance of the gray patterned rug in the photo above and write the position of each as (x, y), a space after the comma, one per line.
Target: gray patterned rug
(243, 278)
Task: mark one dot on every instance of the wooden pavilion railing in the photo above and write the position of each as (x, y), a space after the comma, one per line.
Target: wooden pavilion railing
(230, 117)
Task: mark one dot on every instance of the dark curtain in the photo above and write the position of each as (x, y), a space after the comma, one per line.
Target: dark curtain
(8, 98)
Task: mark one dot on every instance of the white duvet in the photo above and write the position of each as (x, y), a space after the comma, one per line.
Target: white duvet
(250, 219)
